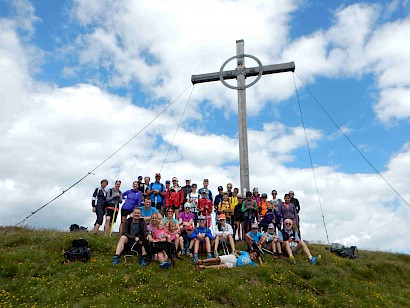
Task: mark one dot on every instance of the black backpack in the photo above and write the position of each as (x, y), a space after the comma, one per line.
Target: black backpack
(77, 228)
(345, 252)
(78, 252)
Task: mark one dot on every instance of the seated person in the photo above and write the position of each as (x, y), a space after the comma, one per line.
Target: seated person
(254, 239)
(236, 259)
(147, 210)
(174, 233)
(154, 221)
(188, 243)
(162, 235)
(170, 216)
(271, 217)
(292, 243)
(186, 218)
(273, 240)
(223, 232)
(134, 235)
(203, 237)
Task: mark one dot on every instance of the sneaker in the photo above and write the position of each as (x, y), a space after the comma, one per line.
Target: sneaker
(314, 260)
(195, 258)
(165, 265)
(143, 262)
(182, 252)
(116, 260)
(216, 254)
(292, 259)
(209, 255)
(188, 252)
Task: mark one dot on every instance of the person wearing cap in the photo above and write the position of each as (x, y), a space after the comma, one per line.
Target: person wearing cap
(140, 184)
(238, 218)
(187, 188)
(203, 237)
(208, 191)
(254, 239)
(236, 259)
(193, 198)
(204, 207)
(156, 191)
(175, 197)
(223, 232)
(273, 240)
(250, 210)
(262, 206)
(186, 218)
(292, 243)
(218, 198)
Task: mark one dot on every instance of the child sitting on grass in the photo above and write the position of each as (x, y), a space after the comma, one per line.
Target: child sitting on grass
(238, 258)
(174, 233)
(202, 236)
(162, 235)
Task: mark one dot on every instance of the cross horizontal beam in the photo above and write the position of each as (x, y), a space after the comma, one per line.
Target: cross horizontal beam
(248, 72)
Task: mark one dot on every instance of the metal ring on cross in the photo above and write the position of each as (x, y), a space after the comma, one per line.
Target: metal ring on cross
(248, 85)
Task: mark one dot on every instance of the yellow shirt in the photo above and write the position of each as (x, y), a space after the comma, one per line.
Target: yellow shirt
(226, 208)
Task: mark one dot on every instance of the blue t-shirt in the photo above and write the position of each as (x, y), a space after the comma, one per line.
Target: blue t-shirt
(255, 237)
(244, 259)
(160, 188)
(148, 213)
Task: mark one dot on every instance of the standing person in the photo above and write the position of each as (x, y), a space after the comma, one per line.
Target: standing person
(165, 204)
(263, 206)
(208, 191)
(156, 191)
(187, 188)
(288, 211)
(204, 208)
(98, 203)
(275, 200)
(233, 200)
(113, 206)
(225, 207)
(229, 189)
(297, 207)
(192, 198)
(255, 195)
(175, 197)
(239, 219)
(250, 210)
(133, 198)
(147, 179)
(218, 198)
(134, 234)
(140, 185)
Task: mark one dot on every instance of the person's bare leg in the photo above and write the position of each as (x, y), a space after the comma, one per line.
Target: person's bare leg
(96, 228)
(212, 266)
(121, 243)
(216, 243)
(287, 248)
(305, 248)
(207, 245)
(231, 242)
(160, 257)
(196, 246)
(278, 248)
(123, 219)
(107, 225)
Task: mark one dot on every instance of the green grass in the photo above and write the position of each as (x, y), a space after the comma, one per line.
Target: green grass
(32, 274)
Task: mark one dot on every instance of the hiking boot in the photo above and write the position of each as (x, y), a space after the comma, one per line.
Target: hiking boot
(209, 255)
(314, 260)
(165, 265)
(143, 262)
(116, 260)
(195, 258)
(292, 260)
(216, 254)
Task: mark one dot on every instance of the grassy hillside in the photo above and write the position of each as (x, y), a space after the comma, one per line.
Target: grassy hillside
(32, 274)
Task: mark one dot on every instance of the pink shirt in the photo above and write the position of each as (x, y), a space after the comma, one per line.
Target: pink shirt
(186, 218)
(160, 235)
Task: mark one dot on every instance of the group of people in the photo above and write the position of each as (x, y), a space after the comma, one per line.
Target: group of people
(194, 221)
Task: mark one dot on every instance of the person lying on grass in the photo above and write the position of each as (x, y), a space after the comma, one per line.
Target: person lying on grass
(292, 243)
(238, 258)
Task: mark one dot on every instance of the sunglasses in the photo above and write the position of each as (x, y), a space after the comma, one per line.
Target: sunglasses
(287, 224)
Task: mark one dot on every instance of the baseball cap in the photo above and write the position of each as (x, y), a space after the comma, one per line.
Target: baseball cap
(175, 178)
(255, 226)
(140, 177)
(239, 196)
(187, 180)
(264, 195)
(222, 216)
(167, 182)
(271, 226)
(220, 188)
(189, 228)
(204, 191)
(158, 174)
(187, 205)
(201, 217)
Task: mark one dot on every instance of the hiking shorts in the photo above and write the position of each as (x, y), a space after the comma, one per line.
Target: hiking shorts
(110, 213)
(125, 213)
(99, 211)
(229, 260)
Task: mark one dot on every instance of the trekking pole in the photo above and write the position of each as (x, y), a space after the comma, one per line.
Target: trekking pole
(113, 217)
(268, 251)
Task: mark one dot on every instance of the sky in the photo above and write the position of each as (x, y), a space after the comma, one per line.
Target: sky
(79, 79)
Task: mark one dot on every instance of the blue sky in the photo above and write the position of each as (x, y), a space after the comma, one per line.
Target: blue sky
(79, 78)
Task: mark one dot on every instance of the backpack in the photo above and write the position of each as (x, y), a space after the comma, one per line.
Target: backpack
(344, 252)
(77, 228)
(78, 252)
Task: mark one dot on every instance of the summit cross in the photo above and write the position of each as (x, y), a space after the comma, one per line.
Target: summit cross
(240, 74)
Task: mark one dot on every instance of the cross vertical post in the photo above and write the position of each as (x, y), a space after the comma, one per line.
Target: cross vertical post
(240, 73)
